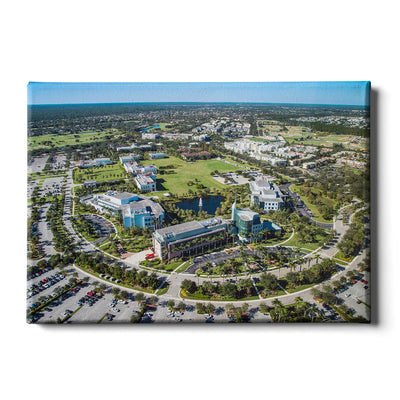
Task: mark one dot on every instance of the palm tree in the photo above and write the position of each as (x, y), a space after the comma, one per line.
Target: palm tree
(313, 312)
(297, 299)
(279, 309)
(291, 264)
(280, 264)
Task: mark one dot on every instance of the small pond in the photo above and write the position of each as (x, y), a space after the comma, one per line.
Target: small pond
(210, 204)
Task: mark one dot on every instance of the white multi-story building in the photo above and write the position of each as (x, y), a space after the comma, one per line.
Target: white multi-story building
(128, 158)
(154, 156)
(151, 136)
(266, 195)
(145, 183)
(136, 169)
(136, 210)
(309, 165)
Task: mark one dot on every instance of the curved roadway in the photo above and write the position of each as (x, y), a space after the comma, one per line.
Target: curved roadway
(175, 279)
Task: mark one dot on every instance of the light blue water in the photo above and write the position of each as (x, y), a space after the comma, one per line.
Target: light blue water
(152, 127)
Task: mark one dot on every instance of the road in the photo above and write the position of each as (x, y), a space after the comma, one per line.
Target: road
(175, 279)
(301, 209)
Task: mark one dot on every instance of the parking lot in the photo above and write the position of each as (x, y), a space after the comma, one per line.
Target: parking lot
(37, 164)
(356, 294)
(58, 162)
(31, 187)
(214, 258)
(44, 231)
(237, 179)
(52, 186)
(89, 307)
(103, 227)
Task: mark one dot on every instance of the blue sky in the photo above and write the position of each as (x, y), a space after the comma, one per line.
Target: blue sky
(340, 93)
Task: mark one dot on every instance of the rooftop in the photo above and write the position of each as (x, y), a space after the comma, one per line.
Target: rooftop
(144, 180)
(121, 196)
(189, 226)
(145, 202)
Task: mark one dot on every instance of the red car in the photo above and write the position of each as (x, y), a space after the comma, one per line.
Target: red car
(149, 256)
(354, 281)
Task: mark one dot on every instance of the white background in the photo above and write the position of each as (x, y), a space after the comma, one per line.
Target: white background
(197, 41)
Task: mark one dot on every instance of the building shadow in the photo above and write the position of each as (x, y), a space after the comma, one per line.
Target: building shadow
(160, 186)
(374, 183)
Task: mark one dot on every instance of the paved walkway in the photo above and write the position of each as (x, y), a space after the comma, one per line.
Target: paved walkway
(175, 279)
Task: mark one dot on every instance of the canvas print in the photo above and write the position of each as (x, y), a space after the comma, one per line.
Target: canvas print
(182, 203)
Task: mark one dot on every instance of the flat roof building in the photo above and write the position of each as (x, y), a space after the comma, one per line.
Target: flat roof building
(154, 156)
(266, 195)
(96, 162)
(191, 238)
(128, 157)
(91, 183)
(247, 223)
(145, 183)
(136, 209)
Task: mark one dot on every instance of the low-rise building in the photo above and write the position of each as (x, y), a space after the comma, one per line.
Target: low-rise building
(87, 184)
(136, 169)
(97, 162)
(177, 136)
(196, 237)
(266, 195)
(201, 155)
(155, 156)
(125, 148)
(190, 238)
(145, 183)
(309, 165)
(247, 222)
(151, 136)
(137, 210)
(128, 158)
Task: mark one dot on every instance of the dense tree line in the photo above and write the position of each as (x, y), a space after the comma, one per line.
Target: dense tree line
(226, 290)
(353, 239)
(337, 129)
(131, 277)
(62, 240)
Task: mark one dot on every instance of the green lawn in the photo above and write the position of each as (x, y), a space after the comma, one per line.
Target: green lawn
(183, 267)
(44, 175)
(301, 287)
(185, 171)
(61, 140)
(314, 209)
(258, 140)
(295, 241)
(162, 126)
(106, 173)
(239, 162)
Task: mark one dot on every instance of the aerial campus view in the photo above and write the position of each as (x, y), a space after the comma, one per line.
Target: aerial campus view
(195, 202)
